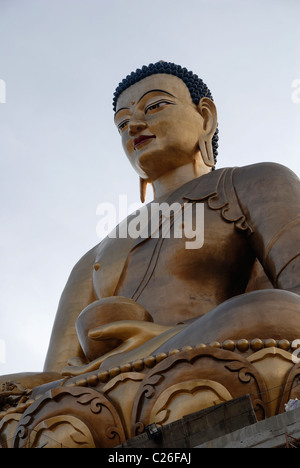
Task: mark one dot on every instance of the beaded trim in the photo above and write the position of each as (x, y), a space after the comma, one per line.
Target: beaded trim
(139, 365)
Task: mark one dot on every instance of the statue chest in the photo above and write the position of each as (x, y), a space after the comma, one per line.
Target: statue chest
(189, 265)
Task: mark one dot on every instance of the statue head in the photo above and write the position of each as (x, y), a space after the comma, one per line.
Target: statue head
(166, 117)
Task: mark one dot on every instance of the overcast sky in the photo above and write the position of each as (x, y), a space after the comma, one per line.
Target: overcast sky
(60, 154)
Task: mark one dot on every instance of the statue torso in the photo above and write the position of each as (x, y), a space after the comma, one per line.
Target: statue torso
(175, 283)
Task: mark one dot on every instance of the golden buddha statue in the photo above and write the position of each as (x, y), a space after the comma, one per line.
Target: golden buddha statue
(154, 326)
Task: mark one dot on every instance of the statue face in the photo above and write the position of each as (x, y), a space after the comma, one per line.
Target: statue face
(159, 125)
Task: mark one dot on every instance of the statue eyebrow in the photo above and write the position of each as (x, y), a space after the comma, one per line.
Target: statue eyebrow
(156, 90)
(122, 108)
(151, 91)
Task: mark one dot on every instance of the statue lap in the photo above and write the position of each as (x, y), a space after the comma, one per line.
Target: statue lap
(105, 407)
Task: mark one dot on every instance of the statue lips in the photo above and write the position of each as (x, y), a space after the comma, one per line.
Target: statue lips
(141, 139)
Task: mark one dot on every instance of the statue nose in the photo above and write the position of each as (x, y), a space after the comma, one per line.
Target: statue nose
(136, 127)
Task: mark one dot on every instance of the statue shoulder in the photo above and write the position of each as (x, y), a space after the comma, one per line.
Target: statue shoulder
(265, 175)
(267, 186)
(269, 195)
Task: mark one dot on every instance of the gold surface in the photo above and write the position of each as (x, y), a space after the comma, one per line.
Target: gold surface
(148, 330)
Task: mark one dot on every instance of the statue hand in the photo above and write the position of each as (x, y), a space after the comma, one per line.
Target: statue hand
(107, 313)
(129, 333)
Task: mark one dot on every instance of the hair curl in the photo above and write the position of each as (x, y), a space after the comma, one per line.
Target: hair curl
(197, 88)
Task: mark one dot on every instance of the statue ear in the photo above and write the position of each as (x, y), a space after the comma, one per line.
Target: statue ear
(208, 112)
(143, 189)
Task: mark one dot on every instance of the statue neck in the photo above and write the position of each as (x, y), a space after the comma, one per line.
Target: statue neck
(175, 178)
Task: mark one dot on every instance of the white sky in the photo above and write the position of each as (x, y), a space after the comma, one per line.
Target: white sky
(60, 154)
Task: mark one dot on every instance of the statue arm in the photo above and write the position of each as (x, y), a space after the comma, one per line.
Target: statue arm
(269, 195)
(78, 294)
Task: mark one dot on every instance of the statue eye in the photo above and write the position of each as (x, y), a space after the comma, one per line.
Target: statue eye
(123, 126)
(156, 105)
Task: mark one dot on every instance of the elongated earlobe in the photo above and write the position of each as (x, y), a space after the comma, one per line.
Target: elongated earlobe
(143, 189)
(206, 150)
